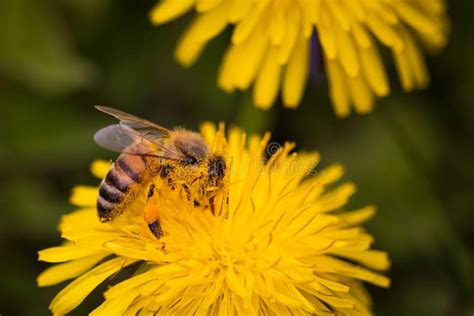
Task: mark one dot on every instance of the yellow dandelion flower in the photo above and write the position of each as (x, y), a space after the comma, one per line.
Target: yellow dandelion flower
(276, 43)
(278, 243)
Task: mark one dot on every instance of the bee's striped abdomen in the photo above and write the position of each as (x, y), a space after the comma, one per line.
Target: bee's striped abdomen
(127, 170)
(110, 193)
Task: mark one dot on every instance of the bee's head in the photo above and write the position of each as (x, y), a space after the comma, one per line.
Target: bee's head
(216, 169)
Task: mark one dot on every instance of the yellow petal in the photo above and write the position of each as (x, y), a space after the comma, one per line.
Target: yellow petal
(358, 11)
(250, 55)
(361, 35)
(207, 5)
(329, 174)
(338, 12)
(338, 88)
(134, 249)
(344, 268)
(227, 69)
(168, 10)
(414, 17)
(208, 131)
(373, 259)
(75, 292)
(291, 35)
(277, 24)
(99, 168)
(245, 27)
(334, 199)
(385, 33)
(296, 74)
(66, 253)
(416, 60)
(235, 283)
(85, 196)
(347, 52)
(336, 301)
(268, 81)
(361, 95)
(115, 307)
(327, 37)
(338, 287)
(312, 10)
(69, 270)
(204, 27)
(374, 70)
(239, 10)
(79, 224)
(357, 217)
(405, 73)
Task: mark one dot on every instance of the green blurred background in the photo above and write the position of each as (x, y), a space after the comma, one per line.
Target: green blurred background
(413, 157)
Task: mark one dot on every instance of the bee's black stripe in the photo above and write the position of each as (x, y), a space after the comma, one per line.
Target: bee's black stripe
(105, 209)
(128, 170)
(110, 193)
(151, 191)
(113, 178)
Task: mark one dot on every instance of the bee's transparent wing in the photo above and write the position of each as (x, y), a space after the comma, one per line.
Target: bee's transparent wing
(125, 139)
(121, 138)
(142, 126)
(135, 135)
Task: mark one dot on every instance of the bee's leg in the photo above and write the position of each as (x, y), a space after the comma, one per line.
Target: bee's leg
(151, 213)
(212, 206)
(155, 228)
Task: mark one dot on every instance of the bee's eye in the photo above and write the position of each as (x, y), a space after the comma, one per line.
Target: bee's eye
(189, 160)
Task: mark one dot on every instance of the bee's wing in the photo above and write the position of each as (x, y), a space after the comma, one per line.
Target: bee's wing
(124, 139)
(144, 127)
(135, 135)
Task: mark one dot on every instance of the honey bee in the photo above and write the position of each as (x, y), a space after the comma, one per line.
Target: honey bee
(179, 159)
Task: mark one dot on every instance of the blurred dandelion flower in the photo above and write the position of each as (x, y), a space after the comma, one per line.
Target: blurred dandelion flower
(274, 43)
(278, 243)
